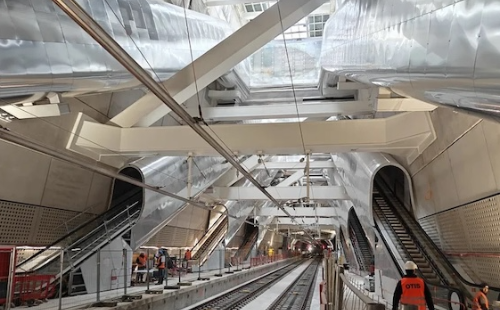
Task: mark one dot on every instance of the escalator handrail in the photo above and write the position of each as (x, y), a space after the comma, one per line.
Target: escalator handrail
(114, 205)
(415, 239)
(440, 253)
(98, 228)
(401, 271)
(213, 228)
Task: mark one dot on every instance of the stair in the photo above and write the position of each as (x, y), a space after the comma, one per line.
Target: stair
(400, 235)
(245, 250)
(207, 244)
(79, 246)
(362, 247)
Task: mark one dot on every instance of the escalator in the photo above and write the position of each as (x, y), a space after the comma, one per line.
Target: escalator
(248, 243)
(362, 248)
(398, 227)
(84, 241)
(202, 250)
(349, 255)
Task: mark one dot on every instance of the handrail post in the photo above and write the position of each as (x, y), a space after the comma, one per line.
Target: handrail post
(339, 289)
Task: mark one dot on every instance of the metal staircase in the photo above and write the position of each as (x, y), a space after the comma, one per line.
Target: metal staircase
(400, 235)
(86, 240)
(202, 250)
(246, 248)
(396, 223)
(362, 248)
(349, 255)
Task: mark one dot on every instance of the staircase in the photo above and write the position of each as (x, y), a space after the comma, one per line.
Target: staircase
(362, 247)
(202, 250)
(401, 237)
(246, 248)
(86, 240)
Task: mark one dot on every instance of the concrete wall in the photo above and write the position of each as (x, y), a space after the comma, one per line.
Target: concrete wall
(461, 166)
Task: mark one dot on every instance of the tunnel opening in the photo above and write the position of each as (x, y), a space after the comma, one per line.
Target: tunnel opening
(397, 182)
(126, 196)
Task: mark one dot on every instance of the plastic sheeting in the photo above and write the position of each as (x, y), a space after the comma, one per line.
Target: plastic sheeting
(277, 64)
(47, 51)
(444, 52)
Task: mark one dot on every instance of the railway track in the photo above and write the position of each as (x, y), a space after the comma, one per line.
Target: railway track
(239, 297)
(298, 295)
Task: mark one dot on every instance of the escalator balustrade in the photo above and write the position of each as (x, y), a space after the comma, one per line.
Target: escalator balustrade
(207, 244)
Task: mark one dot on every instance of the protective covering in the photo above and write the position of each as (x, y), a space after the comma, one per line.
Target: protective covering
(443, 52)
(277, 64)
(46, 51)
(170, 173)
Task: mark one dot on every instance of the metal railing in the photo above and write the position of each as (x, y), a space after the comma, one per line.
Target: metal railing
(339, 293)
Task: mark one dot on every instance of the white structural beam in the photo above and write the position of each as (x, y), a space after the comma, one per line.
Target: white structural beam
(403, 105)
(404, 135)
(296, 165)
(317, 193)
(294, 178)
(218, 60)
(284, 110)
(304, 221)
(299, 212)
(232, 176)
(35, 111)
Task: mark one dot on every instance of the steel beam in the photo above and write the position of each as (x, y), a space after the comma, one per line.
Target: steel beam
(218, 61)
(407, 131)
(318, 193)
(296, 165)
(232, 176)
(304, 221)
(270, 111)
(298, 212)
(294, 178)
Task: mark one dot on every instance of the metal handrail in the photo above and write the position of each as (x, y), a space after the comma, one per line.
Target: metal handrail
(80, 227)
(444, 259)
(209, 232)
(364, 298)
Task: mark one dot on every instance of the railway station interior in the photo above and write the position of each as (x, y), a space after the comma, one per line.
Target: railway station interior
(230, 154)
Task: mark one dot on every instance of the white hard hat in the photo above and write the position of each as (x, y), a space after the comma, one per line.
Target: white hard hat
(409, 265)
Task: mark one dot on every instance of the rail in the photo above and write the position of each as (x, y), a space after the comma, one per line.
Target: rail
(338, 293)
(97, 221)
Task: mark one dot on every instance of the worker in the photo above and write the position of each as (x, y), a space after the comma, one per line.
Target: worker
(412, 291)
(160, 264)
(141, 267)
(480, 301)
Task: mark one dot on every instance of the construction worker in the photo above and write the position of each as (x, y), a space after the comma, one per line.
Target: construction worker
(412, 291)
(160, 264)
(141, 261)
(480, 301)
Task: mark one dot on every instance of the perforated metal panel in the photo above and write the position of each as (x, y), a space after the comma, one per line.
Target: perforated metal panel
(55, 223)
(22, 224)
(16, 223)
(471, 235)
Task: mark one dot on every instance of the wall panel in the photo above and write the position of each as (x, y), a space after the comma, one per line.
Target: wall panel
(469, 236)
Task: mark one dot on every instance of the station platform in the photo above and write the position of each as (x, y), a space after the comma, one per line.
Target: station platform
(168, 299)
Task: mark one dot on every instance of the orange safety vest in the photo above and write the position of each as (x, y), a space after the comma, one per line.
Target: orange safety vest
(476, 304)
(161, 265)
(413, 292)
(141, 261)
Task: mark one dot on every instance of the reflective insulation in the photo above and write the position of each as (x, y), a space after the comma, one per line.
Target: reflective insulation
(443, 52)
(243, 209)
(170, 173)
(43, 50)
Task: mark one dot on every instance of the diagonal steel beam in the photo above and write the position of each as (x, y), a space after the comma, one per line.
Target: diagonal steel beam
(87, 23)
(217, 61)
